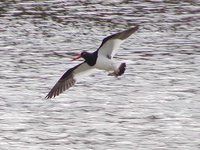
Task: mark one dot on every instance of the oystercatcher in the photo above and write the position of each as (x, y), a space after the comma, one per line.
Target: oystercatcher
(100, 59)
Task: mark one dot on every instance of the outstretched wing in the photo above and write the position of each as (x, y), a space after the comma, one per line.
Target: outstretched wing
(68, 79)
(111, 44)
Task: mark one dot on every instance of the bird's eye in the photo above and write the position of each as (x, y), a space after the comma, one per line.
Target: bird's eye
(83, 53)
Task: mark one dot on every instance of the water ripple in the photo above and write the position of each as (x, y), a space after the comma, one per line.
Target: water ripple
(155, 105)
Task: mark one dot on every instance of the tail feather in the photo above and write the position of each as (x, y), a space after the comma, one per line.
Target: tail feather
(120, 72)
(122, 69)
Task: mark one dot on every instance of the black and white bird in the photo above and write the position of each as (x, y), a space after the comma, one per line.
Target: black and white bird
(101, 59)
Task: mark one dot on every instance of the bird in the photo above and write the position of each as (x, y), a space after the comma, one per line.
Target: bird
(101, 59)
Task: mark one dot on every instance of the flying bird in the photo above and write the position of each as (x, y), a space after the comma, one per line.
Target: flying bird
(101, 59)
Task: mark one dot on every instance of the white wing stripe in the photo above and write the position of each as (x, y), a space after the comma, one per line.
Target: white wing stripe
(111, 44)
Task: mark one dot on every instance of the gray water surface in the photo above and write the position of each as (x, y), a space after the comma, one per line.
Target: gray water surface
(154, 106)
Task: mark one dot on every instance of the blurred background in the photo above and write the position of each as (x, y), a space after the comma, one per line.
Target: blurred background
(153, 106)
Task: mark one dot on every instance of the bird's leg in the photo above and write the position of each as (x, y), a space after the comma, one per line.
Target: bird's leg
(120, 71)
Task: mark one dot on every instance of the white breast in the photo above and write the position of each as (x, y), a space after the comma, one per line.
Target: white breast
(105, 63)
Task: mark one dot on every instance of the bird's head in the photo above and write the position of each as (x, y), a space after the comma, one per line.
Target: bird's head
(83, 54)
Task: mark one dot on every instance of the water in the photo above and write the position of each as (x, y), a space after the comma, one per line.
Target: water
(153, 106)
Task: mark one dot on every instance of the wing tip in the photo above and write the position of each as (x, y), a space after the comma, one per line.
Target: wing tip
(135, 28)
(49, 96)
(125, 34)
